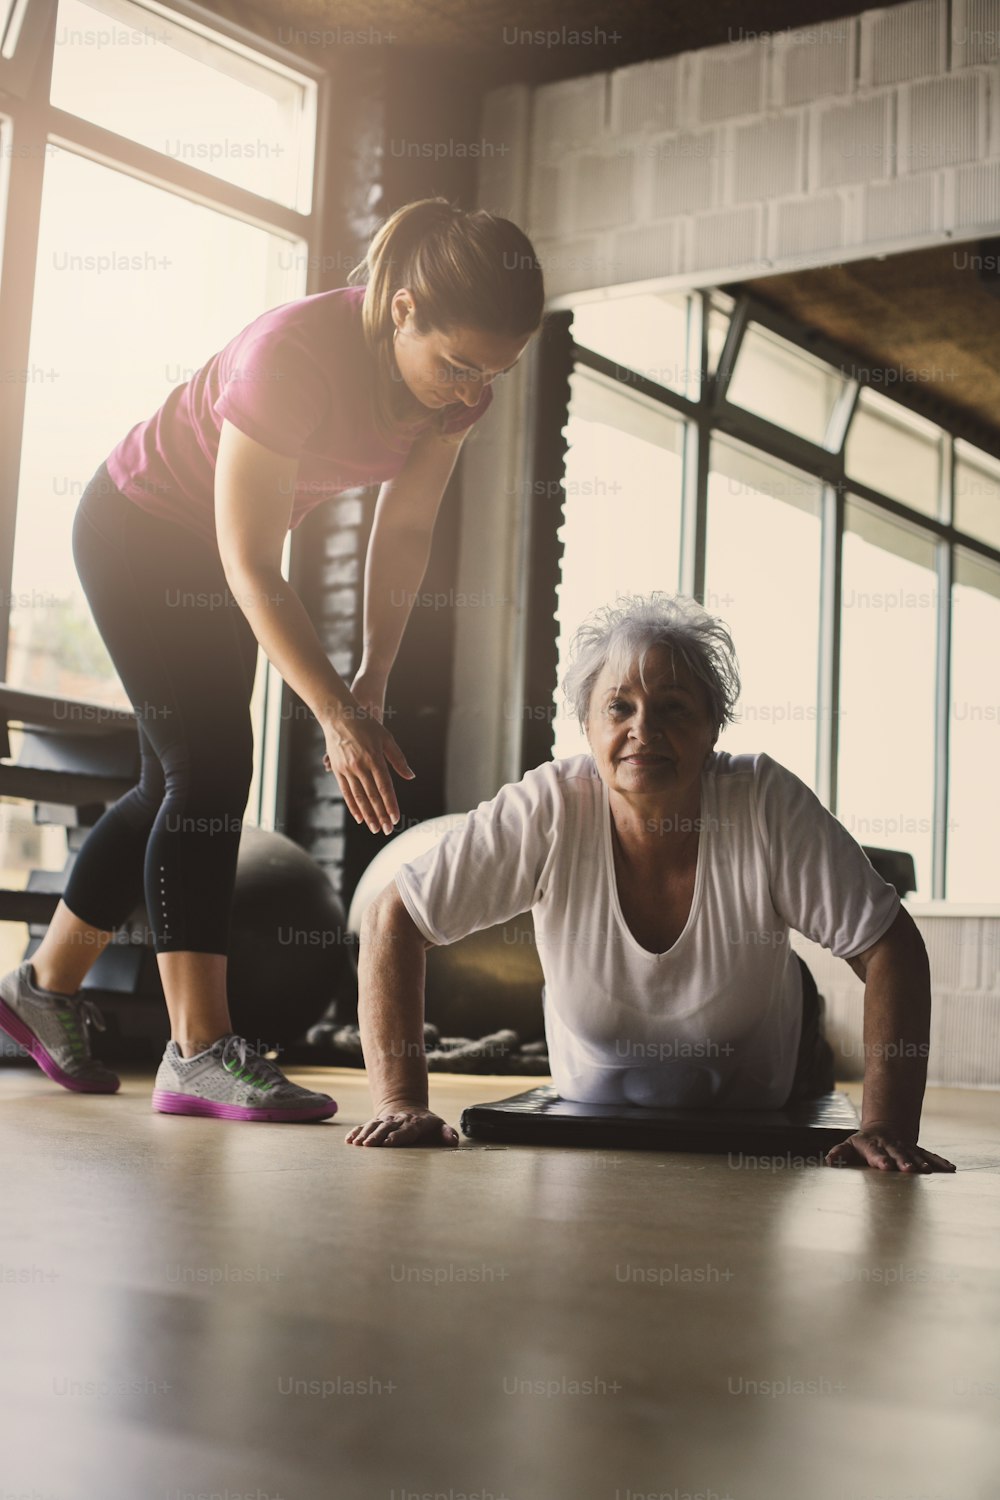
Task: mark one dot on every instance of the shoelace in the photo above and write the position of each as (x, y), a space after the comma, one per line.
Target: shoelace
(239, 1057)
(78, 1015)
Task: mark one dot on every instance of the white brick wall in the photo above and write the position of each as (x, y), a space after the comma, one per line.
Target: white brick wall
(875, 133)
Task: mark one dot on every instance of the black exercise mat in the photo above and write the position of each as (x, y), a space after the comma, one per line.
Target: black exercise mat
(539, 1117)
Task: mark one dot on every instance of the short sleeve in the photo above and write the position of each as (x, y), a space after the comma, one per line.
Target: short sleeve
(490, 867)
(275, 392)
(467, 415)
(822, 882)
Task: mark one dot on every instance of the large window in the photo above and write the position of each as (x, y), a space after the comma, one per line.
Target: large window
(974, 731)
(896, 452)
(764, 524)
(622, 513)
(885, 788)
(127, 307)
(177, 88)
(785, 386)
(820, 520)
(168, 168)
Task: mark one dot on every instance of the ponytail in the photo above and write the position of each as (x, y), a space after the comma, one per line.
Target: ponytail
(465, 269)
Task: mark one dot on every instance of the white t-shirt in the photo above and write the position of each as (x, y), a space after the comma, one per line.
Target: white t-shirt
(714, 1021)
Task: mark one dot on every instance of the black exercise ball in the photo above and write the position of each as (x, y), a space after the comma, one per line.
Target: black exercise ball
(289, 951)
(485, 982)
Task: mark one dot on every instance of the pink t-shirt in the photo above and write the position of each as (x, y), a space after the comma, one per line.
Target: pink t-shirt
(295, 380)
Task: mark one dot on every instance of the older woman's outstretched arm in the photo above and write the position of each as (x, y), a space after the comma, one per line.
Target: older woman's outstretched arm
(391, 976)
(896, 1033)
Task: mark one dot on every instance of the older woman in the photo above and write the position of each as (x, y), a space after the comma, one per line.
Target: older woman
(663, 877)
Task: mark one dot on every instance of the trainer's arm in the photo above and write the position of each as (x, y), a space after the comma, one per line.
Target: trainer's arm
(399, 548)
(391, 975)
(254, 492)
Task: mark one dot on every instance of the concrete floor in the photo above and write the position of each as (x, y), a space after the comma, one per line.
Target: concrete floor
(197, 1308)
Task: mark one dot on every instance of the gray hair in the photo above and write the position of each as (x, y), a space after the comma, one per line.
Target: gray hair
(620, 634)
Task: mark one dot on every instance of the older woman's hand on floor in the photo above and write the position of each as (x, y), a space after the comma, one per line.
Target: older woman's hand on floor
(410, 1125)
(890, 1150)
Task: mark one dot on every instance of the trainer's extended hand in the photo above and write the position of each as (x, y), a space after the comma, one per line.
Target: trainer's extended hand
(879, 1144)
(360, 751)
(408, 1126)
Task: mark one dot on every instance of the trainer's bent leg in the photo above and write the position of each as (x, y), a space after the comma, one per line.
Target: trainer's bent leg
(67, 952)
(186, 656)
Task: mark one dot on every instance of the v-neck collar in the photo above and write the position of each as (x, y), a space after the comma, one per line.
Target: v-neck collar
(704, 816)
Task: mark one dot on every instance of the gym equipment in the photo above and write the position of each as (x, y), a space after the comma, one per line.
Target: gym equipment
(499, 1052)
(895, 867)
(490, 981)
(539, 1117)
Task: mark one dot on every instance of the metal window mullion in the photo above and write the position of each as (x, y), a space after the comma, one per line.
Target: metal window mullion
(828, 667)
(757, 432)
(632, 381)
(944, 560)
(22, 210)
(720, 381)
(227, 29)
(697, 457)
(841, 418)
(109, 149)
(694, 488)
(276, 800)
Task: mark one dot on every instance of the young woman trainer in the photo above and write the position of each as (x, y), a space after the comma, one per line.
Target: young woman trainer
(178, 539)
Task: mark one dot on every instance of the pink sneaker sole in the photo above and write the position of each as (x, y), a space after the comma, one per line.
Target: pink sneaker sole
(189, 1104)
(20, 1033)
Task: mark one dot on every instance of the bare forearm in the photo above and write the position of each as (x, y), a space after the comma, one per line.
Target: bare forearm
(391, 974)
(281, 624)
(394, 570)
(896, 1036)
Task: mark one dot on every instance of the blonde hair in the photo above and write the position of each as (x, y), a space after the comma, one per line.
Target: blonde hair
(466, 268)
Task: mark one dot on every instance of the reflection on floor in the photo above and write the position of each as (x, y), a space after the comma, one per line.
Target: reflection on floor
(200, 1308)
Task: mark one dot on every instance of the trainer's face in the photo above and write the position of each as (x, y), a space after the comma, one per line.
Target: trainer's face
(651, 739)
(444, 369)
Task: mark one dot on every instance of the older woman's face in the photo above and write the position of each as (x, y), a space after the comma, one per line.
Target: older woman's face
(652, 738)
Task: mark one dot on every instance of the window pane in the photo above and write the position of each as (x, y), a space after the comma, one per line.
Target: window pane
(622, 519)
(973, 871)
(885, 794)
(651, 334)
(12, 14)
(895, 451)
(977, 493)
(127, 306)
(781, 383)
(174, 87)
(24, 846)
(107, 345)
(764, 523)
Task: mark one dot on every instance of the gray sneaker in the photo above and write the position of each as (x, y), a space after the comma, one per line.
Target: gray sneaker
(232, 1081)
(55, 1031)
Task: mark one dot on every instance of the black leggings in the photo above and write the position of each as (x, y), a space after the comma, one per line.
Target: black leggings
(186, 656)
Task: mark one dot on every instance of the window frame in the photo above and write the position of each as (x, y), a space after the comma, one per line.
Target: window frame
(712, 414)
(30, 124)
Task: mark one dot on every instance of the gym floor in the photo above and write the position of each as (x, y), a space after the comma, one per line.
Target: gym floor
(192, 1308)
